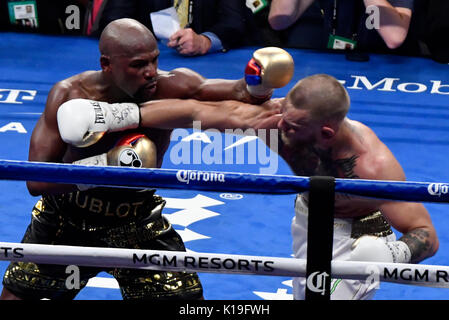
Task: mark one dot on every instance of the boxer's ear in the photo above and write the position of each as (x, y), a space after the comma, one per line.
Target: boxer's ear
(105, 63)
(327, 133)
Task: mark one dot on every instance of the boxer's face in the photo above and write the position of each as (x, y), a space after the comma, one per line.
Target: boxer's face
(136, 73)
(296, 125)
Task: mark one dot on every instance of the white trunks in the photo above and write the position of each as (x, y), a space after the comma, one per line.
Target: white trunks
(346, 231)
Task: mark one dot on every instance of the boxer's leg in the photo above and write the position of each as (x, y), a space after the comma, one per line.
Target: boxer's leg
(27, 280)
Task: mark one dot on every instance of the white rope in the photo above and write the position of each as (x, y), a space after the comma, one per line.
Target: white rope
(411, 274)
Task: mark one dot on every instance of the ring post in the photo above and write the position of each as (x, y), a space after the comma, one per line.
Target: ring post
(320, 236)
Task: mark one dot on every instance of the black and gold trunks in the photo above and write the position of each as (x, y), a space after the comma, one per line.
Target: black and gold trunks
(102, 217)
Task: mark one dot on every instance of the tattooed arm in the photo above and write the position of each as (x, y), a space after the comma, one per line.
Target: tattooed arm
(409, 218)
(375, 161)
(413, 221)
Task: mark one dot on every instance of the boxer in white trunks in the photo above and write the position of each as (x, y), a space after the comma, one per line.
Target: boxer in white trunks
(316, 138)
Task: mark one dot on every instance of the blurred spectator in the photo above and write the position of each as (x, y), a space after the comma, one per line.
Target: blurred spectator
(347, 24)
(395, 17)
(436, 30)
(414, 44)
(260, 32)
(284, 13)
(304, 30)
(214, 25)
(110, 10)
(94, 12)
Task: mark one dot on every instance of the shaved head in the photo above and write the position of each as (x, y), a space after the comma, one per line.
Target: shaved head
(129, 58)
(124, 36)
(322, 95)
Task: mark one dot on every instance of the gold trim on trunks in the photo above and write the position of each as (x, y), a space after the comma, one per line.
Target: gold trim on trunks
(373, 225)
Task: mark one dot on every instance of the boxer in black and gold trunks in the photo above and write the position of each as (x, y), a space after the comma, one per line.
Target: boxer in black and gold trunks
(65, 220)
(104, 217)
(86, 216)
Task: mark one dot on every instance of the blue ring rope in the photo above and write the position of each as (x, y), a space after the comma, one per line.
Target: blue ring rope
(215, 181)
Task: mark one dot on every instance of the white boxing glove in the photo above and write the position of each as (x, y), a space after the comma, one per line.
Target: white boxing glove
(83, 122)
(370, 248)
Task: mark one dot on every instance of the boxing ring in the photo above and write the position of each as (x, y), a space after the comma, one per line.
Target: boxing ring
(412, 274)
(403, 102)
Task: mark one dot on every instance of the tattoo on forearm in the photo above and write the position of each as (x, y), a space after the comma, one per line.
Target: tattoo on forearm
(418, 242)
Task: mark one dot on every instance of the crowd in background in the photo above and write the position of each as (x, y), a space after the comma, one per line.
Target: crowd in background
(405, 27)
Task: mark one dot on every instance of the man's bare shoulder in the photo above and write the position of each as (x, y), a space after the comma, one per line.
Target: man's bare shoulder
(377, 162)
(182, 71)
(179, 74)
(361, 127)
(74, 86)
(178, 83)
(83, 76)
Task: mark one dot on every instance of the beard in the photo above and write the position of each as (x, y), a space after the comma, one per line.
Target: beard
(295, 142)
(287, 141)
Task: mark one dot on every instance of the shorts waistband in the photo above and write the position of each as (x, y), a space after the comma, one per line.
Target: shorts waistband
(371, 224)
(102, 210)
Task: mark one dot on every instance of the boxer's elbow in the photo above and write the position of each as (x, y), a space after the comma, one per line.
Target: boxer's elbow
(429, 240)
(432, 248)
(35, 188)
(434, 245)
(38, 188)
(423, 243)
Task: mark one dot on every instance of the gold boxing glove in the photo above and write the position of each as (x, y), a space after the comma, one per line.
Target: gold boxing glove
(132, 150)
(269, 68)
